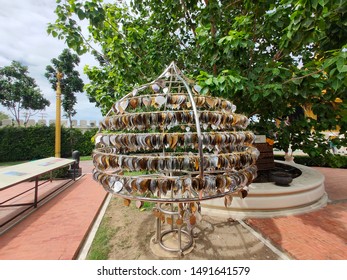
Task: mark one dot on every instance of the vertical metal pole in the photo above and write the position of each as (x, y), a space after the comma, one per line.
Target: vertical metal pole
(157, 237)
(36, 191)
(58, 118)
(197, 124)
(172, 208)
(179, 239)
(158, 227)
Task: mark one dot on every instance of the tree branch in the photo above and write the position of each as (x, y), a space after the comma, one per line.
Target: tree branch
(188, 17)
(233, 3)
(213, 33)
(298, 78)
(90, 46)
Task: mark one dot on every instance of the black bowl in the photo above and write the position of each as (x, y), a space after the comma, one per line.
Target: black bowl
(281, 178)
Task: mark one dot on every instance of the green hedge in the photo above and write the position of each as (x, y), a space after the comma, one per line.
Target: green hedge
(329, 160)
(35, 142)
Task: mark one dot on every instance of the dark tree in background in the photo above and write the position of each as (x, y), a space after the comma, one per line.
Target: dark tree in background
(19, 92)
(70, 84)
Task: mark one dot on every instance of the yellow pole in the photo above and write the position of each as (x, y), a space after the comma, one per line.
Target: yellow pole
(58, 117)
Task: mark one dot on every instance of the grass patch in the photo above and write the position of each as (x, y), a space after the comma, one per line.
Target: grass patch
(82, 158)
(148, 205)
(101, 247)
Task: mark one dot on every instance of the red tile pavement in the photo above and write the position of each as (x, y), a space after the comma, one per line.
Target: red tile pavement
(87, 166)
(335, 182)
(319, 235)
(10, 196)
(57, 229)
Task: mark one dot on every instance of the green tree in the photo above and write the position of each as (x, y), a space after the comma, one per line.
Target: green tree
(71, 83)
(274, 59)
(4, 116)
(19, 92)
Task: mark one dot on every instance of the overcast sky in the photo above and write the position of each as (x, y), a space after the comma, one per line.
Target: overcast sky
(23, 37)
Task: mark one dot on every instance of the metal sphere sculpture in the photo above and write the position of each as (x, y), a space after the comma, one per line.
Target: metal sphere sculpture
(166, 143)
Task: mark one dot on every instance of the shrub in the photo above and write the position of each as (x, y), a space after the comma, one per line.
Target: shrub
(328, 160)
(35, 142)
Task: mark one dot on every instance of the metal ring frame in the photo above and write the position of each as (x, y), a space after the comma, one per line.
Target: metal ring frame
(160, 234)
(173, 72)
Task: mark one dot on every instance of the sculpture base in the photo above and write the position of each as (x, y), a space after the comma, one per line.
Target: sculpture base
(305, 193)
(170, 240)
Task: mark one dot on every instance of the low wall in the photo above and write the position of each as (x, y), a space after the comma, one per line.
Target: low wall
(81, 124)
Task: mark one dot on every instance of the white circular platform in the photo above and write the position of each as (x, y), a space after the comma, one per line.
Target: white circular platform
(306, 193)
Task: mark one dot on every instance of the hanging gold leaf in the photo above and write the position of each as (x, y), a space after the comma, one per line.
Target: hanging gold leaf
(169, 220)
(126, 202)
(192, 207)
(179, 222)
(133, 102)
(156, 213)
(192, 220)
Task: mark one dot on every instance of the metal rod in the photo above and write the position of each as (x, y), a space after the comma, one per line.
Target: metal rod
(36, 191)
(157, 237)
(179, 239)
(197, 122)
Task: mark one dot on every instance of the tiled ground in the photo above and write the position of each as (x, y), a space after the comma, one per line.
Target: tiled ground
(319, 235)
(56, 229)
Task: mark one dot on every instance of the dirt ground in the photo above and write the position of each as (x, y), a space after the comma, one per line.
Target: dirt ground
(216, 238)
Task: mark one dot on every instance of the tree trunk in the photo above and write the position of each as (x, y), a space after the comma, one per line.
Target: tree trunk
(213, 34)
(70, 120)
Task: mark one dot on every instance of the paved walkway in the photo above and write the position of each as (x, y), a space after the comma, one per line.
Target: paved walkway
(57, 229)
(319, 235)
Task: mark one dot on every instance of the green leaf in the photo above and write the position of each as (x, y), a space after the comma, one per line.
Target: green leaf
(329, 62)
(221, 79)
(276, 71)
(342, 69)
(322, 2)
(255, 97)
(314, 3)
(336, 84)
(209, 81)
(341, 64)
(297, 81)
(81, 14)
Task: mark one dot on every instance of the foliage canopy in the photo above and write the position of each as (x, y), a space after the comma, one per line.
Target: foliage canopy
(275, 59)
(71, 82)
(19, 91)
